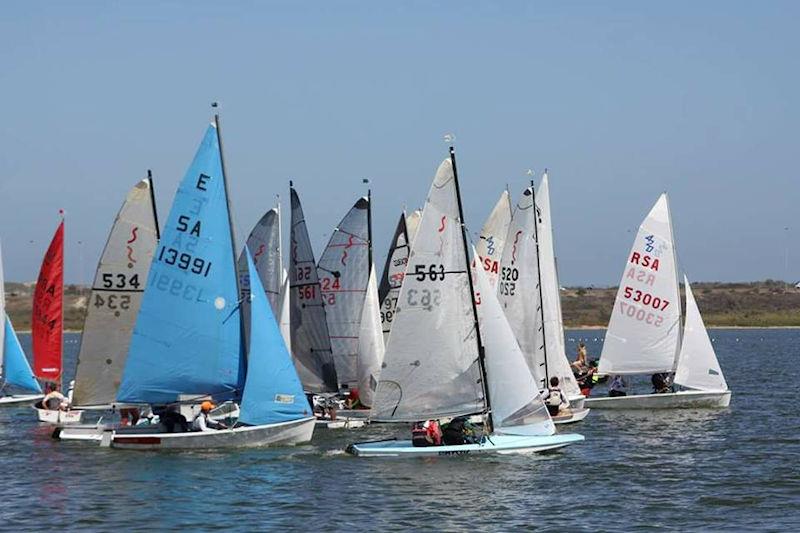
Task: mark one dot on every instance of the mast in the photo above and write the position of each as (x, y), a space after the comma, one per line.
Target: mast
(677, 284)
(539, 280)
(468, 270)
(369, 228)
(280, 236)
(153, 202)
(61, 340)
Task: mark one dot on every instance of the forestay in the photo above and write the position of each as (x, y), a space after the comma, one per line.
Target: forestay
(644, 331)
(516, 406)
(698, 367)
(343, 272)
(187, 338)
(430, 368)
(115, 298)
(518, 286)
(272, 391)
(311, 345)
(493, 237)
(393, 272)
(370, 343)
(557, 363)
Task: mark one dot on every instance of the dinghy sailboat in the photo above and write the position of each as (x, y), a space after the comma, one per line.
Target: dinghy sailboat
(528, 292)
(188, 343)
(15, 371)
(644, 334)
(441, 361)
(493, 238)
(47, 328)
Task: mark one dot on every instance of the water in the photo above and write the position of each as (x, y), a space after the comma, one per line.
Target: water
(681, 470)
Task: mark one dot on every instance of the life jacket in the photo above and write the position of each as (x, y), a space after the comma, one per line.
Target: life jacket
(426, 433)
(555, 398)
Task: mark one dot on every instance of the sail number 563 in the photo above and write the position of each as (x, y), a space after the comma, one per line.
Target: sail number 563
(432, 272)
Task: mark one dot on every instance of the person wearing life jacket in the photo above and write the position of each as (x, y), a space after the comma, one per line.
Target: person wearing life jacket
(202, 422)
(618, 386)
(459, 431)
(426, 433)
(554, 399)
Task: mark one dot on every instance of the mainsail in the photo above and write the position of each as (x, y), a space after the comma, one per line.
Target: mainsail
(516, 406)
(698, 367)
(393, 272)
(284, 320)
(188, 338)
(557, 363)
(431, 366)
(48, 307)
(370, 343)
(116, 297)
(493, 237)
(643, 334)
(343, 272)
(311, 345)
(272, 391)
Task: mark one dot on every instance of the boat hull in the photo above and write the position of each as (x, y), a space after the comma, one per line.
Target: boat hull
(81, 432)
(670, 400)
(341, 423)
(54, 417)
(496, 444)
(575, 415)
(284, 433)
(20, 399)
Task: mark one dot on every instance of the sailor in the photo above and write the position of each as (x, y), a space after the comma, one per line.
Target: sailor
(618, 386)
(554, 399)
(54, 400)
(580, 360)
(660, 381)
(202, 422)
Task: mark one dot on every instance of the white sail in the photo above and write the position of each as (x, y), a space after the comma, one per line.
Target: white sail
(343, 272)
(283, 312)
(311, 344)
(393, 272)
(370, 343)
(516, 405)
(557, 363)
(518, 286)
(643, 334)
(698, 367)
(115, 299)
(412, 224)
(430, 368)
(493, 237)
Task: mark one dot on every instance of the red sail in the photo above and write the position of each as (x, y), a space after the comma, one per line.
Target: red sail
(48, 306)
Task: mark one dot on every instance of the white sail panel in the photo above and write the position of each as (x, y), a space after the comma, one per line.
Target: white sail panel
(393, 272)
(370, 343)
(518, 286)
(493, 237)
(115, 299)
(698, 367)
(283, 312)
(430, 368)
(516, 405)
(343, 272)
(644, 330)
(412, 224)
(311, 345)
(557, 363)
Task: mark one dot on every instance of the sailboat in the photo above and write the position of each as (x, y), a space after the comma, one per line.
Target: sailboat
(343, 272)
(188, 342)
(493, 237)
(393, 272)
(47, 327)
(644, 333)
(14, 367)
(441, 360)
(311, 343)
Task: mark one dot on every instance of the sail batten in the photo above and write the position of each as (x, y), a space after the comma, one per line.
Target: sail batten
(115, 299)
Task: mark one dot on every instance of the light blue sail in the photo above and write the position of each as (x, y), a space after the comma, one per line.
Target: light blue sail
(187, 339)
(272, 392)
(17, 369)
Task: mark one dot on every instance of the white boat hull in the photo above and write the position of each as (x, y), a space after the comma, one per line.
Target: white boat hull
(574, 415)
(577, 402)
(80, 432)
(341, 423)
(496, 444)
(55, 417)
(284, 433)
(20, 399)
(671, 400)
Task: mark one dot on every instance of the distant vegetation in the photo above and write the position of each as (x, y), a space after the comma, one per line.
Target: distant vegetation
(757, 304)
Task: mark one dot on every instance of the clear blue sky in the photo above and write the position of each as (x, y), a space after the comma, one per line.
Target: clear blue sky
(620, 100)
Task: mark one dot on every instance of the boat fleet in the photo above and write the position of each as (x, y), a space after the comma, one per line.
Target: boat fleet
(264, 345)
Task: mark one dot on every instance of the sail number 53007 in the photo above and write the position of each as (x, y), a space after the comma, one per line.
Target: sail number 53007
(645, 298)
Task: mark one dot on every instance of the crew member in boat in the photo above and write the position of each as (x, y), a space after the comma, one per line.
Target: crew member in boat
(427, 433)
(580, 359)
(661, 383)
(202, 422)
(554, 398)
(459, 431)
(587, 378)
(54, 400)
(353, 400)
(618, 386)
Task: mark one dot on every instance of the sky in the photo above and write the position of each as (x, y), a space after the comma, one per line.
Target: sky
(620, 100)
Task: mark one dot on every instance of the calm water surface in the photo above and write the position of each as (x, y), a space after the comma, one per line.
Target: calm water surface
(681, 470)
